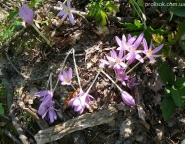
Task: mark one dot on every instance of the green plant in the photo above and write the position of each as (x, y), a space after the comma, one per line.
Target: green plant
(98, 10)
(174, 92)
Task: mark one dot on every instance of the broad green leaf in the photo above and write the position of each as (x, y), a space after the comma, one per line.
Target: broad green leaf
(180, 82)
(181, 30)
(140, 3)
(178, 10)
(167, 91)
(176, 97)
(181, 91)
(166, 73)
(168, 107)
(1, 109)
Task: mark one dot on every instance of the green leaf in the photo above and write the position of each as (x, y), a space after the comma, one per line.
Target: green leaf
(166, 73)
(178, 10)
(180, 82)
(35, 2)
(140, 3)
(1, 109)
(168, 107)
(104, 18)
(134, 27)
(176, 97)
(12, 15)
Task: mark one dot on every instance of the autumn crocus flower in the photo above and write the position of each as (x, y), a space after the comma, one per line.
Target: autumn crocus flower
(66, 11)
(81, 101)
(117, 60)
(133, 53)
(131, 83)
(151, 53)
(46, 109)
(66, 77)
(125, 44)
(44, 94)
(26, 14)
(127, 98)
(121, 76)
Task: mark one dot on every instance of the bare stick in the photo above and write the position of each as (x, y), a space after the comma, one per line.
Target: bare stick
(9, 134)
(24, 76)
(15, 120)
(81, 122)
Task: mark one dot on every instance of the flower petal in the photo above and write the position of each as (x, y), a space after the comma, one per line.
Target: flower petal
(158, 48)
(127, 98)
(71, 18)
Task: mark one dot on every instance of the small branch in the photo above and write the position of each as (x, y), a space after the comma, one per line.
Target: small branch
(24, 76)
(110, 18)
(15, 120)
(81, 122)
(6, 132)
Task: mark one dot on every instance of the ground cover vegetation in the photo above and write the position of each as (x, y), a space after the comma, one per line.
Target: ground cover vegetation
(98, 71)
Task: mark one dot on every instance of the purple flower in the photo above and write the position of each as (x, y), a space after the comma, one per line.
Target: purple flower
(133, 53)
(131, 83)
(125, 44)
(80, 102)
(151, 53)
(46, 109)
(66, 77)
(44, 94)
(66, 11)
(111, 63)
(117, 60)
(127, 98)
(26, 14)
(121, 76)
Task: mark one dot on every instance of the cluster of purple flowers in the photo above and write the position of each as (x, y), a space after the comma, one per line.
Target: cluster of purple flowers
(27, 14)
(119, 60)
(126, 54)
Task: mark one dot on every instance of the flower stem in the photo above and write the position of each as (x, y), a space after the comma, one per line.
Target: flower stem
(134, 66)
(41, 34)
(110, 79)
(76, 69)
(62, 68)
(93, 82)
(78, 13)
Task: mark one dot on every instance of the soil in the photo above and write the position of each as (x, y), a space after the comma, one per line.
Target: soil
(140, 124)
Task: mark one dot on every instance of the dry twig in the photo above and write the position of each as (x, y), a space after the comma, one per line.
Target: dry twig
(15, 120)
(81, 122)
(9, 134)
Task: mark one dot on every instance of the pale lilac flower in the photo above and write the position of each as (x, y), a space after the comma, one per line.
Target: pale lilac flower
(26, 14)
(66, 11)
(127, 98)
(133, 53)
(117, 60)
(111, 63)
(66, 77)
(81, 101)
(44, 94)
(151, 53)
(121, 76)
(125, 44)
(47, 111)
(131, 83)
